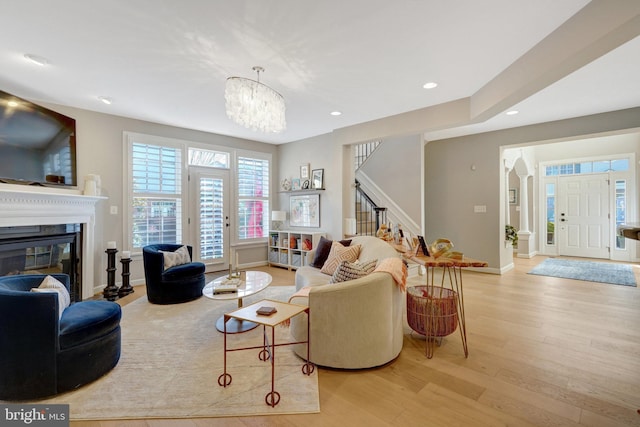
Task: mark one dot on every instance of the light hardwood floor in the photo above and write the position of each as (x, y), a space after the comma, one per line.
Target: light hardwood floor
(542, 352)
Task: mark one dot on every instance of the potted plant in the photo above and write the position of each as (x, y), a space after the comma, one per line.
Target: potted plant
(511, 235)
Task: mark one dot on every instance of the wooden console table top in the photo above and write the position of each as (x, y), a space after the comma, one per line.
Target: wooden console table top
(429, 261)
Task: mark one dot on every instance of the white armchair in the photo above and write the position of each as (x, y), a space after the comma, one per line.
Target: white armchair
(354, 324)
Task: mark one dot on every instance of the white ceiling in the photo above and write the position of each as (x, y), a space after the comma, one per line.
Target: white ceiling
(166, 61)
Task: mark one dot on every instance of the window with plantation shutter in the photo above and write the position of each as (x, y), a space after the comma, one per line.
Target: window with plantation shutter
(253, 198)
(156, 184)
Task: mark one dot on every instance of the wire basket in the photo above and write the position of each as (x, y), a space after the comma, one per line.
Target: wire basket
(432, 310)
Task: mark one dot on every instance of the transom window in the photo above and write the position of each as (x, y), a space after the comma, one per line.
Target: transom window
(208, 158)
(597, 166)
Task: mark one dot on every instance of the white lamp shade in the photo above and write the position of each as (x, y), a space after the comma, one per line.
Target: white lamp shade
(278, 216)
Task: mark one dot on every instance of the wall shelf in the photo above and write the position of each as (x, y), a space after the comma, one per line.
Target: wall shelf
(312, 190)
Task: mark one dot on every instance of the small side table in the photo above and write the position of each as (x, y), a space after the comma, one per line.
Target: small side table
(285, 311)
(451, 279)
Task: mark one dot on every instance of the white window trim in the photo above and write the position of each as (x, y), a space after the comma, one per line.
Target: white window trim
(235, 241)
(128, 139)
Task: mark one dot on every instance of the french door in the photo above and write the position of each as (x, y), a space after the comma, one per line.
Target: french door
(209, 222)
(583, 216)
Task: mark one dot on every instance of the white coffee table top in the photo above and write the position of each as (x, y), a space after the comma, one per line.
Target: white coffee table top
(254, 282)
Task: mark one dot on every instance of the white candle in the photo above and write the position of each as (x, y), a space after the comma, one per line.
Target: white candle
(126, 254)
(111, 245)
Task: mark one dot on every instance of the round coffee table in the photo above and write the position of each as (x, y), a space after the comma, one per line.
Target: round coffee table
(254, 282)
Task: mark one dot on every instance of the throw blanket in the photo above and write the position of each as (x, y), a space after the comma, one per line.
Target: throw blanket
(398, 270)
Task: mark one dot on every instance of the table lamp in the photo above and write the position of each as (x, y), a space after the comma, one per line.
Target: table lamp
(278, 218)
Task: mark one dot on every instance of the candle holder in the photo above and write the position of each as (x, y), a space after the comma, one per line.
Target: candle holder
(126, 287)
(111, 291)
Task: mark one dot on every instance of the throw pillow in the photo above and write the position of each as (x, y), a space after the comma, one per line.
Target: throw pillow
(322, 251)
(179, 257)
(338, 254)
(352, 270)
(51, 284)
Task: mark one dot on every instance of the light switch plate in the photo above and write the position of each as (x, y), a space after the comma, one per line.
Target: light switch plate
(113, 210)
(480, 209)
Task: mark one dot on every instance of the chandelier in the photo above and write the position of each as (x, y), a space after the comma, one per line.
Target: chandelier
(255, 105)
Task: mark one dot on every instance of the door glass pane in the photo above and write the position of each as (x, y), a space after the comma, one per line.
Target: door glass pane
(211, 218)
(621, 209)
(551, 213)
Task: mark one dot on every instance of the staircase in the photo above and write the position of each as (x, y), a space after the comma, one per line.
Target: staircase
(369, 216)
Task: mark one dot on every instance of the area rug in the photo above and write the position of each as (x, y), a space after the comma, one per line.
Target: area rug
(172, 356)
(603, 272)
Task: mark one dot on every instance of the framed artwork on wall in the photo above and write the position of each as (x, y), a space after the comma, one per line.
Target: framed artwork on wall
(317, 178)
(304, 171)
(304, 211)
(513, 196)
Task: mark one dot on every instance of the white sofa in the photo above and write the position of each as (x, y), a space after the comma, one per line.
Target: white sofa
(354, 324)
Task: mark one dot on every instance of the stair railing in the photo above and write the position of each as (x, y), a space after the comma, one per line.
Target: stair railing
(366, 209)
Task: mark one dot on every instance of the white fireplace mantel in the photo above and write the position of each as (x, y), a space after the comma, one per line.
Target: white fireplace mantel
(24, 205)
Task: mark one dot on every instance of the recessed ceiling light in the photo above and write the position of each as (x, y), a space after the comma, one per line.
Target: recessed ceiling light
(105, 100)
(336, 113)
(512, 112)
(430, 85)
(39, 60)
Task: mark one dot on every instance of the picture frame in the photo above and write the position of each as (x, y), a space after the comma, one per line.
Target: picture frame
(304, 211)
(304, 171)
(317, 179)
(295, 184)
(305, 184)
(513, 196)
(423, 246)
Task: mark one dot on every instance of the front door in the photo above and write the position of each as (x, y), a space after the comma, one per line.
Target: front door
(583, 216)
(210, 223)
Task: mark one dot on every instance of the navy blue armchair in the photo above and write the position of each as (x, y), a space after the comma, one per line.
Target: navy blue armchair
(43, 353)
(177, 284)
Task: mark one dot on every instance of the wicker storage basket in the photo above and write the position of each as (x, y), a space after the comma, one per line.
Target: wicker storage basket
(440, 302)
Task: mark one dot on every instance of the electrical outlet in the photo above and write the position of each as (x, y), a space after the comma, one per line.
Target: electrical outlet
(113, 210)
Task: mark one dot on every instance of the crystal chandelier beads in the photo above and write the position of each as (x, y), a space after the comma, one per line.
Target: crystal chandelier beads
(254, 105)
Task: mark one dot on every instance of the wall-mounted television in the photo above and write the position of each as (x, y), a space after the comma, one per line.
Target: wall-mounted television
(37, 145)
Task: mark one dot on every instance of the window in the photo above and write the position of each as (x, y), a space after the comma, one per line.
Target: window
(156, 199)
(253, 198)
(551, 213)
(208, 158)
(621, 209)
(599, 166)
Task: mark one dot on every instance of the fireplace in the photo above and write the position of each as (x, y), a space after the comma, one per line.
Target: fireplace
(43, 249)
(44, 227)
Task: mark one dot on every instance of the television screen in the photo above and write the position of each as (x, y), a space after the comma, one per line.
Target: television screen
(37, 145)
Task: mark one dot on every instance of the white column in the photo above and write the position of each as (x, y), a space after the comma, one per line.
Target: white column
(524, 204)
(507, 209)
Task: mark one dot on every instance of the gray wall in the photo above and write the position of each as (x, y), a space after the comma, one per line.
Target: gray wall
(452, 188)
(100, 151)
(395, 168)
